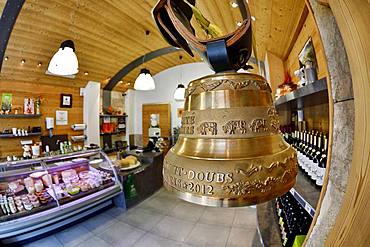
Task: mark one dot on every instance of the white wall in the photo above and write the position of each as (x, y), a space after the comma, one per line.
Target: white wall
(91, 112)
(165, 85)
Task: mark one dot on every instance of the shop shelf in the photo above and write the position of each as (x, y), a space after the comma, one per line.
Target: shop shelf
(4, 218)
(13, 136)
(20, 115)
(115, 116)
(113, 133)
(308, 90)
(306, 193)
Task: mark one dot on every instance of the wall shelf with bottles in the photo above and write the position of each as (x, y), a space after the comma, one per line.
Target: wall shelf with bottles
(294, 219)
(16, 136)
(20, 115)
(308, 90)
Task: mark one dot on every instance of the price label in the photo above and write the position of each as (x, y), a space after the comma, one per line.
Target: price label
(308, 208)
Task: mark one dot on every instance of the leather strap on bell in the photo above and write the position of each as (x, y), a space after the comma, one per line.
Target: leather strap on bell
(173, 20)
(217, 56)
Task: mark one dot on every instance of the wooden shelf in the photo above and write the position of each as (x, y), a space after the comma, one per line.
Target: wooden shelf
(308, 90)
(114, 133)
(306, 192)
(114, 116)
(13, 136)
(20, 115)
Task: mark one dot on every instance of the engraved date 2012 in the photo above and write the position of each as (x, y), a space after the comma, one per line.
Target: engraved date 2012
(191, 186)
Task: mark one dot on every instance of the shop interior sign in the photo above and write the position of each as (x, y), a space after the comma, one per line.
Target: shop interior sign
(61, 117)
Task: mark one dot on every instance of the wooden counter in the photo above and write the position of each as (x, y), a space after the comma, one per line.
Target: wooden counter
(148, 177)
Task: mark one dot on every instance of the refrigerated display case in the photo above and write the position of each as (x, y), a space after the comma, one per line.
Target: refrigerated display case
(41, 195)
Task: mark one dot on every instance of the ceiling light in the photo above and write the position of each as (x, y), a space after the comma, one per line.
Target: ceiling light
(39, 64)
(179, 94)
(23, 61)
(120, 82)
(253, 18)
(6, 58)
(86, 73)
(234, 4)
(144, 81)
(64, 61)
(239, 23)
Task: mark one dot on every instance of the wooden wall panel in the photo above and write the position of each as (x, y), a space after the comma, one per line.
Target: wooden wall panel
(275, 71)
(309, 29)
(317, 117)
(353, 221)
(50, 103)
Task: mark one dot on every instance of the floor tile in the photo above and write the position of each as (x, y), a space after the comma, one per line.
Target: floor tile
(241, 237)
(162, 205)
(151, 240)
(121, 234)
(142, 218)
(45, 242)
(172, 228)
(218, 216)
(204, 235)
(99, 223)
(245, 218)
(187, 211)
(94, 242)
(115, 211)
(187, 245)
(74, 235)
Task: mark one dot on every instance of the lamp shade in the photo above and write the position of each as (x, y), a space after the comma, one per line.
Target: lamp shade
(64, 62)
(144, 81)
(179, 94)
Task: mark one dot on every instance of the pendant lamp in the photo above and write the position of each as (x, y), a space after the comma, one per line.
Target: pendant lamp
(145, 81)
(179, 94)
(64, 62)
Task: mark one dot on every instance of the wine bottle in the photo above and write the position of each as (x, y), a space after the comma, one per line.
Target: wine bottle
(308, 155)
(295, 139)
(299, 148)
(293, 218)
(303, 157)
(316, 157)
(322, 163)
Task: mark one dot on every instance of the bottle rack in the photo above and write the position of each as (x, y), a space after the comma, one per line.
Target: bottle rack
(293, 219)
(303, 202)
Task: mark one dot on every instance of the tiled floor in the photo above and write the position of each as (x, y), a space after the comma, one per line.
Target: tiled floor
(162, 220)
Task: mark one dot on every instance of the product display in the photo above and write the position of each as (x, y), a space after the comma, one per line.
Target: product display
(63, 179)
(294, 221)
(311, 150)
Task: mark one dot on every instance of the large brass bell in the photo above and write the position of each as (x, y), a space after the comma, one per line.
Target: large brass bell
(229, 152)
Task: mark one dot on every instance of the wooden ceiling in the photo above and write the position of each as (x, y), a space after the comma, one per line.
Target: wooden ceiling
(109, 34)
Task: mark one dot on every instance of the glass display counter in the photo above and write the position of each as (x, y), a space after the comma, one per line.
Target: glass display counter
(40, 195)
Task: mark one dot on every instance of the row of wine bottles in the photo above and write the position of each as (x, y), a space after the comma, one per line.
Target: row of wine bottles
(311, 147)
(294, 221)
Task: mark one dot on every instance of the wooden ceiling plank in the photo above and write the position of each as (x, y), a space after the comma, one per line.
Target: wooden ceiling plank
(298, 27)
